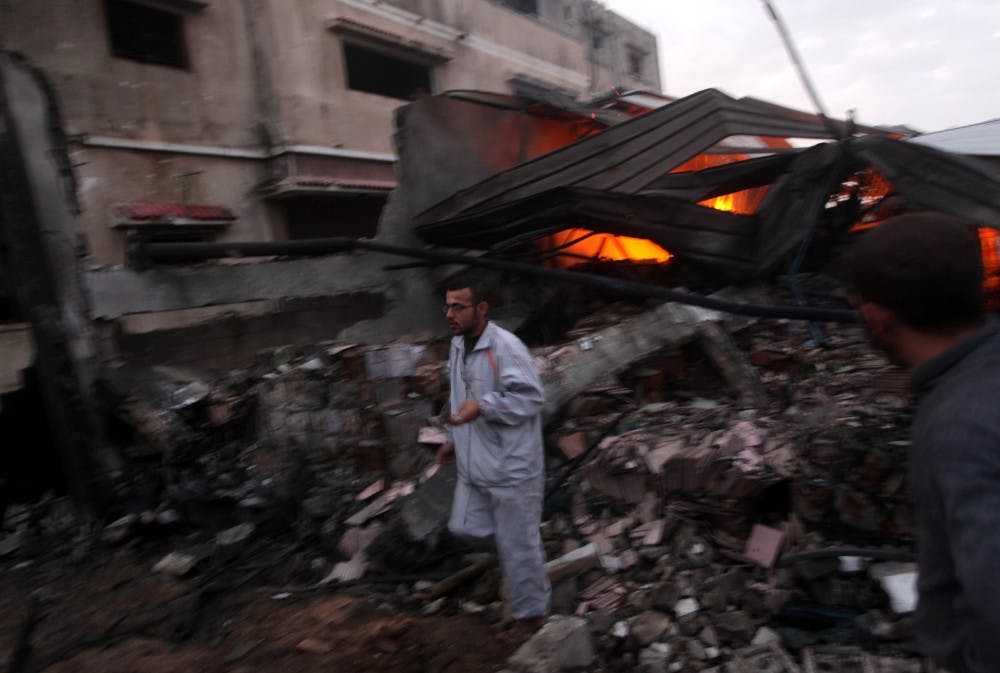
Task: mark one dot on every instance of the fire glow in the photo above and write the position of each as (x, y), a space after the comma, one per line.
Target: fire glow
(575, 244)
(744, 202)
(989, 240)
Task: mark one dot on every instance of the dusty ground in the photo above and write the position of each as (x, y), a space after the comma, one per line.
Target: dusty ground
(109, 613)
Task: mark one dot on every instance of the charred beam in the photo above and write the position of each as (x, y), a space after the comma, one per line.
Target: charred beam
(149, 253)
(37, 206)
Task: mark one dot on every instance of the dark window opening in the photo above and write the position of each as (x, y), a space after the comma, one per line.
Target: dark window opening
(379, 73)
(529, 7)
(146, 34)
(29, 464)
(325, 216)
(635, 60)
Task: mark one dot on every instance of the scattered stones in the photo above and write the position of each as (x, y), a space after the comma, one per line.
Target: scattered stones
(668, 541)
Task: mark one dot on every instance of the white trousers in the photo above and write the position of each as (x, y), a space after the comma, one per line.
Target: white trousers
(511, 517)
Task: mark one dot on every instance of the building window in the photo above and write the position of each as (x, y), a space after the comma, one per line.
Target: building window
(146, 34)
(529, 7)
(636, 57)
(380, 73)
(320, 216)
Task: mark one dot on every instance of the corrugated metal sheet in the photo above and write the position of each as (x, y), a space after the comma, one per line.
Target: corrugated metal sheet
(979, 139)
(627, 157)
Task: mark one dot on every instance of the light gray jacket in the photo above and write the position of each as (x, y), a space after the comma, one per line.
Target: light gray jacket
(504, 445)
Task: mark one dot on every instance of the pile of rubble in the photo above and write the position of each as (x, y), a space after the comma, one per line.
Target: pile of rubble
(722, 495)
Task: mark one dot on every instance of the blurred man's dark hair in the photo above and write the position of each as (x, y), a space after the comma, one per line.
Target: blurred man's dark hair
(925, 267)
(473, 280)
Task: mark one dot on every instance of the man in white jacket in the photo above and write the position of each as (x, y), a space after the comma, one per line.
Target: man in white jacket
(496, 439)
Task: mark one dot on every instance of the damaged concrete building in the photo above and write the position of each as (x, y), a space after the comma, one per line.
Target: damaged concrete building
(265, 121)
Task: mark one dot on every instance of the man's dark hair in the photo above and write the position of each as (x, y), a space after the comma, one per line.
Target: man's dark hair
(926, 267)
(472, 280)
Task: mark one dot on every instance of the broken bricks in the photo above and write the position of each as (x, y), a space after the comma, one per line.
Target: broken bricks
(666, 511)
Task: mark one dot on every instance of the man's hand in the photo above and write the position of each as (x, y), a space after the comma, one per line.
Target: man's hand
(469, 411)
(445, 454)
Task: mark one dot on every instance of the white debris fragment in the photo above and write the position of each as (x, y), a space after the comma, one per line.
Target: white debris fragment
(685, 607)
(175, 563)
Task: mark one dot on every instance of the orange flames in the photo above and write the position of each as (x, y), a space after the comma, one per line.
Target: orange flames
(575, 245)
(572, 246)
(744, 202)
(989, 240)
(585, 244)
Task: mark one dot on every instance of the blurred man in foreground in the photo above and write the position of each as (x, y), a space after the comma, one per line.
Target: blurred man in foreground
(917, 281)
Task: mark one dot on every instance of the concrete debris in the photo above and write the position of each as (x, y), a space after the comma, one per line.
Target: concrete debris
(357, 539)
(562, 643)
(764, 545)
(347, 571)
(381, 504)
(573, 563)
(426, 510)
(374, 488)
(764, 636)
(572, 445)
(432, 435)
(176, 563)
(649, 626)
(685, 607)
(689, 537)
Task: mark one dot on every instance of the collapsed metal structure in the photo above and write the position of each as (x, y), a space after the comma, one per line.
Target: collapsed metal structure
(619, 181)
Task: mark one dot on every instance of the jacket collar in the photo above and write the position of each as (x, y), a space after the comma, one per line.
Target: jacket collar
(485, 339)
(926, 375)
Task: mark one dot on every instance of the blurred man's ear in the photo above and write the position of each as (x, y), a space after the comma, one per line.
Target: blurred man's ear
(880, 320)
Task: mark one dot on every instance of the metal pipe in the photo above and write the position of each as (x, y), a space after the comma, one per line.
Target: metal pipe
(793, 53)
(144, 253)
(835, 552)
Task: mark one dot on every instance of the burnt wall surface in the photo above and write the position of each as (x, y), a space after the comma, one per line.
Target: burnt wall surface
(234, 342)
(39, 252)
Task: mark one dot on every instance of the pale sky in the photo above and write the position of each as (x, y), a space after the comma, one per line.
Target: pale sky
(928, 64)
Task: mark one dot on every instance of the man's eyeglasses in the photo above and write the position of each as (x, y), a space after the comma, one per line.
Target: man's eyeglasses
(454, 308)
